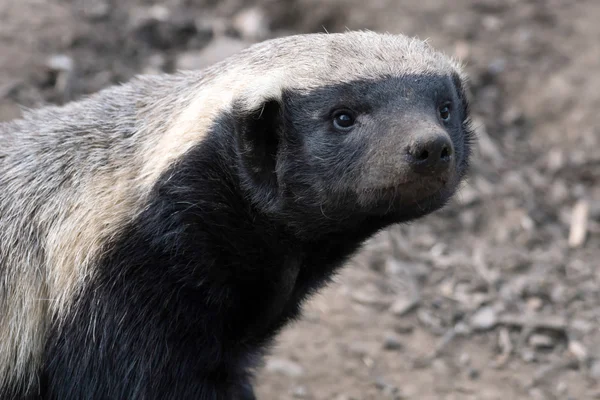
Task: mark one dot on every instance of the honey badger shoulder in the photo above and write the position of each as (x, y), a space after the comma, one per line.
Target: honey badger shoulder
(156, 236)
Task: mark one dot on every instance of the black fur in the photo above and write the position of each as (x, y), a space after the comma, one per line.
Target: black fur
(236, 235)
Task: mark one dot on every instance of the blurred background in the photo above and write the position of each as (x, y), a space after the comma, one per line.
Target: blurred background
(495, 297)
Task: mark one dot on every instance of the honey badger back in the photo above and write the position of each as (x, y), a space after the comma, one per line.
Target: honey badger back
(156, 236)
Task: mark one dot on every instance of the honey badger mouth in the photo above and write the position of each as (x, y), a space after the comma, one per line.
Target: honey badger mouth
(410, 197)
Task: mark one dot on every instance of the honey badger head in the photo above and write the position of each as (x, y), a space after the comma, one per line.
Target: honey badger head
(377, 126)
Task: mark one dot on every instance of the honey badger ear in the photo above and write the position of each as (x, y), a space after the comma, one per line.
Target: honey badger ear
(258, 133)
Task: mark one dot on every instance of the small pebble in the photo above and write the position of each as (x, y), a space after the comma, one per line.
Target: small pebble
(540, 341)
(578, 350)
(462, 329)
(430, 321)
(528, 355)
(141, 16)
(285, 367)
(96, 9)
(392, 342)
(473, 373)
(252, 24)
(562, 387)
(60, 62)
(402, 305)
(370, 299)
(534, 303)
(345, 397)
(300, 392)
(491, 23)
(579, 224)
(485, 318)
(462, 50)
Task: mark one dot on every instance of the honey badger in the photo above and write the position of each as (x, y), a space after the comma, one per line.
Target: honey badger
(155, 236)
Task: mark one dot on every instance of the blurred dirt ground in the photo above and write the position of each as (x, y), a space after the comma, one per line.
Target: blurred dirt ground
(496, 296)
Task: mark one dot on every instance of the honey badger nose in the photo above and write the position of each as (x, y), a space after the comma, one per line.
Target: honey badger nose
(431, 154)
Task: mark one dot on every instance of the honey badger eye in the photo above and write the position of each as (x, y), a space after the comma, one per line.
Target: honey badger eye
(444, 112)
(343, 120)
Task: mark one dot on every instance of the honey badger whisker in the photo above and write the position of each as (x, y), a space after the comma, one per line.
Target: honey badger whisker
(157, 235)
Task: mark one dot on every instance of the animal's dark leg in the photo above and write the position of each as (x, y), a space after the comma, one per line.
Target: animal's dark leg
(241, 390)
(247, 392)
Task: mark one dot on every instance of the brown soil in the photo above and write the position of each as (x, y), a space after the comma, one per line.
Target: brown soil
(493, 297)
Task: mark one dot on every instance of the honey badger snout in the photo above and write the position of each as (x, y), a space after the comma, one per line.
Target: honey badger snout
(430, 154)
